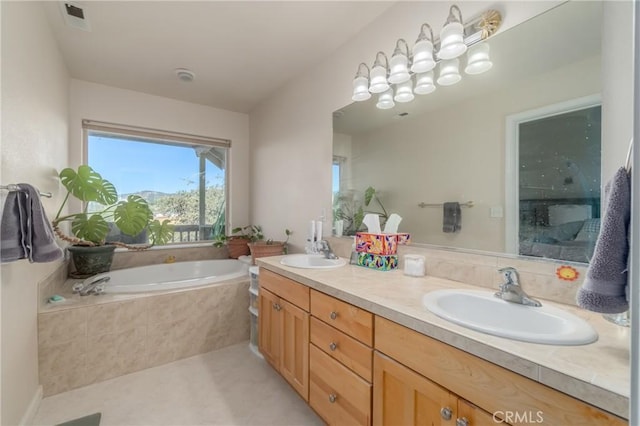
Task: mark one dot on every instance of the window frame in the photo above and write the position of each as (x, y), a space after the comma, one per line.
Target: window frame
(144, 135)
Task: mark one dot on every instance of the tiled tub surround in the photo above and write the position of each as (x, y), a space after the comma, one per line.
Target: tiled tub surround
(88, 339)
(597, 373)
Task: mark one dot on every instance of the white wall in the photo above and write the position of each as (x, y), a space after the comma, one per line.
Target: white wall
(109, 104)
(35, 91)
(291, 132)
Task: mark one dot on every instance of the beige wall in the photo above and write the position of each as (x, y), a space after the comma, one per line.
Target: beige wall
(435, 160)
(104, 103)
(35, 87)
(291, 132)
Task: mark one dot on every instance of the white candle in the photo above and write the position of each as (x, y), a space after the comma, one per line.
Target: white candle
(318, 230)
(312, 231)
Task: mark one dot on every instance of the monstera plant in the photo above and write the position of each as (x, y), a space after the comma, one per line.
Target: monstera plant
(90, 229)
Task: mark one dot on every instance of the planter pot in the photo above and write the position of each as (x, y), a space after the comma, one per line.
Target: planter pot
(262, 249)
(238, 247)
(90, 261)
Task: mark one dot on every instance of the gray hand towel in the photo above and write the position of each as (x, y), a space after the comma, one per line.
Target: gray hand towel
(25, 231)
(451, 217)
(604, 288)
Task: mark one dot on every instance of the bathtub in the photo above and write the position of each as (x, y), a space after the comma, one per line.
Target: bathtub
(172, 276)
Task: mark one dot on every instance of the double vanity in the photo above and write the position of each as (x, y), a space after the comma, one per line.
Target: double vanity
(369, 347)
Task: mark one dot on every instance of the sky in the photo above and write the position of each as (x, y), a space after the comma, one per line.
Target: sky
(138, 166)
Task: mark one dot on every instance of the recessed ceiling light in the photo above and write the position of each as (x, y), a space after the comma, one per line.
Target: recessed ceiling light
(185, 75)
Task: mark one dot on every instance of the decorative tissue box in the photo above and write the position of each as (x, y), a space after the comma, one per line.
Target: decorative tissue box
(378, 261)
(383, 244)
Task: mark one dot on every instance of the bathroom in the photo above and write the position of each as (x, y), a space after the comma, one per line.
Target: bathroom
(280, 164)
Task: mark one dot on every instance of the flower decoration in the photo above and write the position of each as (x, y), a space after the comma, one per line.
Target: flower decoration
(567, 273)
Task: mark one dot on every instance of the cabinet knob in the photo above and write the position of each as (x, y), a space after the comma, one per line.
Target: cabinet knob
(462, 421)
(277, 307)
(446, 413)
(333, 397)
(333, 315)
(333, 346)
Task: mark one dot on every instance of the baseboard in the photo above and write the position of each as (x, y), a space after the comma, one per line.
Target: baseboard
(32, 409)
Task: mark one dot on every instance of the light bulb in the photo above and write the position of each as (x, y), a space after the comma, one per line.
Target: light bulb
(424, 83)
(385, 100)
(449, 73)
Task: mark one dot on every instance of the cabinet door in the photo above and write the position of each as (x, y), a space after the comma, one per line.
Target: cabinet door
(403, 397)
(269, 327)
(294, 347)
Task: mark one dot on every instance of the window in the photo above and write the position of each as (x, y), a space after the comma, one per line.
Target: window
(182, 177)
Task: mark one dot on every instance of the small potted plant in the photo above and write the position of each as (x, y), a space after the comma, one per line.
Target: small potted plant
(269, 247)
(89, 250)
(238, 242)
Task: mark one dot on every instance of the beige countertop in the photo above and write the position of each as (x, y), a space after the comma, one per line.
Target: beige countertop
(597, 373)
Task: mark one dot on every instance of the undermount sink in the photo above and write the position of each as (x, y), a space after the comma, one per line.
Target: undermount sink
(482, 311)
(312, 261)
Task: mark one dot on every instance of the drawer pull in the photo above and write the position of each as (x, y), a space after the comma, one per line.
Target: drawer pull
(462, 421)
(333, 397)
(445, 413)
(277, 307)
(333, 346)
(333, 315)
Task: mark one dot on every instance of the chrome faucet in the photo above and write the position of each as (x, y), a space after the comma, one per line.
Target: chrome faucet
(511, 291)
(325, 248)
(85, 288)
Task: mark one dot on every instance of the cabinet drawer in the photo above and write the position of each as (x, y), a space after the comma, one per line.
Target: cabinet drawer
(343, 348)
(338, 395)
(355, 322)
(286, 288)
(481, 382)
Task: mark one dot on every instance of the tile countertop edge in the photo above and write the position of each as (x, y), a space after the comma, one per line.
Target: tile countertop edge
(591, 393)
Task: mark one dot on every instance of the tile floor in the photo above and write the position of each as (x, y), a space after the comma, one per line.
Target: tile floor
(229, 386)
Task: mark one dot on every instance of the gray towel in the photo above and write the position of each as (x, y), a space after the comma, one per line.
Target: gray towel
(25, 231)
(451, 217)
(605, 286)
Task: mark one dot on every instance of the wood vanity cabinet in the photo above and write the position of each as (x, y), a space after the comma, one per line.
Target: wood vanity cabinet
(340, 365)
(284, 328)
(415, 377)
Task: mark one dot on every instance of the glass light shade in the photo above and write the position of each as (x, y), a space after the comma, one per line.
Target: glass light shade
(424, 83)
(360, 89)
(399, 71)
(478, 59)
(385, 100)
(379, 82)
(452, 41)
(449, 73)
(423, 56)
(404, 92)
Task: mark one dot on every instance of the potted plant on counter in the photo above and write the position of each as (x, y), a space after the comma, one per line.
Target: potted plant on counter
(269, 247)
(238, 242)
(89, 250)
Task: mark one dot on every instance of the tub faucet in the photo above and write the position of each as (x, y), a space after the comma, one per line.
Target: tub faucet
(325, 248)
(93, 287)
(511, 291)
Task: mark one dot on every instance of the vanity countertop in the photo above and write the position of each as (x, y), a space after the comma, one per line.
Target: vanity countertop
(597, 373)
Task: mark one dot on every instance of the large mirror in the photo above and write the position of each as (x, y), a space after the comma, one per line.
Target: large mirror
(524, 191)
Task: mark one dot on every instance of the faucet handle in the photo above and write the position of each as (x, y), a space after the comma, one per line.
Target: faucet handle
(510, 275)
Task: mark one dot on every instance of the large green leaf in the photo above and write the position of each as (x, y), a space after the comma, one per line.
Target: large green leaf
(94, 228)
(87, 185)
(161, 232)
(368, 195)
(133, 215)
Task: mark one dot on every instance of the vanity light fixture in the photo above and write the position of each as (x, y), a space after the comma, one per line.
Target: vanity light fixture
(411, 70)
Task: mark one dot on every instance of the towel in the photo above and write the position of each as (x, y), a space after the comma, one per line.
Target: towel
(25, 231)
(451, 217)
(604, 289)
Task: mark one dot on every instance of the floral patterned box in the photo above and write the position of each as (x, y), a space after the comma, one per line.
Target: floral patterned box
(378, 261)
(384, 244)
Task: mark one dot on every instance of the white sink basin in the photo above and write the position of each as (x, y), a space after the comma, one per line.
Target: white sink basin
(482, 311)
(312, 261)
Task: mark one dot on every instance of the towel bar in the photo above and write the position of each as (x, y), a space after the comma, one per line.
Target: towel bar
(423, 204)
(13, 187)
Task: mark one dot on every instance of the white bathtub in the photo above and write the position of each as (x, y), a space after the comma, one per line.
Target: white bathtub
(172, 276)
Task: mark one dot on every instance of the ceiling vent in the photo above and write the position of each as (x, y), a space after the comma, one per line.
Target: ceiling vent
(75, 16)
